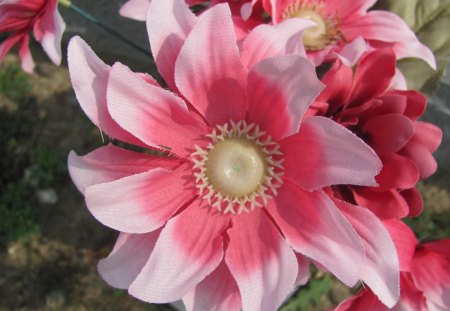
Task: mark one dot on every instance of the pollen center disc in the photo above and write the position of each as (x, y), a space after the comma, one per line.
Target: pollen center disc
(235, 167)
(313, 37)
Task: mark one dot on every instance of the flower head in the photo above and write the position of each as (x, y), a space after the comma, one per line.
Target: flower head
(20, 17)
(387, 119)
(231, 217)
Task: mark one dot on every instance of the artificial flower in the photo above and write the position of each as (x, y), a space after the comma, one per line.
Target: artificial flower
(425, 275)
(387, 120)
(342, 24)
(20, 17)
(230, 218)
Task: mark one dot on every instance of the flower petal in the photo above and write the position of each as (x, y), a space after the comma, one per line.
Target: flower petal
(303, 270)
(208, 70)
(48, 30)
(260, 260)
(330, 155)
(314, 227)
(154, 115)
(25, 55)
(383, 203)
(277, 90)
(135, 9)
(398, 172)
(388, 133)
(195, 237)
(373, 75)
(140, 203)
(422, 157)
(267, 41)
(378, 25)
(120, 269)
(338, 82)
(381, 266)
(110, 163)
(168, 24)
(352, 51)
(89, 76)
(217, 292)
(404, 240)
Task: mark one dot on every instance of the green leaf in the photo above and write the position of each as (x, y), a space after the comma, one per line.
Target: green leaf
(430, 20)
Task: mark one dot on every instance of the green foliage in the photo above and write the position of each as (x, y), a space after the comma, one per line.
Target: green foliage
(309, 295)
(18, 218)
(47, 167)
(430, 20)
(14, 82)
(430, 226)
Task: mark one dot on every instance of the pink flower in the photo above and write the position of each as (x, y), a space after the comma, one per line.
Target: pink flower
(387, 120)
(343, 27)
(20, 17)
(425, 276)
(231, 218)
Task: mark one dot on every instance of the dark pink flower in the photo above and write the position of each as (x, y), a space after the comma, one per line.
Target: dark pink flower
(20, 17)
(387, 120)
(231, 218)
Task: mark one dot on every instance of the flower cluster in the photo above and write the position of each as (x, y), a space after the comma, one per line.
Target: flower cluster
(251, 167)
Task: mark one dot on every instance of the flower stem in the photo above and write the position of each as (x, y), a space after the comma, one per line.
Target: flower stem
(92, 19)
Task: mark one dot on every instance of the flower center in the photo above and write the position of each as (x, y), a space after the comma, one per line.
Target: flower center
(240, 169)
(325, 32)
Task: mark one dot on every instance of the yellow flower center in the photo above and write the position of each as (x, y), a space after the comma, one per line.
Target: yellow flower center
(240, 169)
(326, 31)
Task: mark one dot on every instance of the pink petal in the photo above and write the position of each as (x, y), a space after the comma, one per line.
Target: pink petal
(25, 55)
(208, 70)
(388, 133)
(314, 227)
(431, 273)
(168, 24)
(381, 266)
(330, 155)
(50, 27)
(398, 172)
(352, 51)
(267, 41)
(120, 269)
(349, 10)
(338, 81)
(441, 247)
(89, 76)
(399, 81)
(135, 9)
(373, 75)
(303, 270)
(422, 157)
(154, 115)
(8, 44)
(378, 25)
(110, 163)
(404, 240)
(428, 135)
(383, 203)
(189, 248)
(139, 203)
(217, 292)
(414, 200)
(261, 261)
(277, 90)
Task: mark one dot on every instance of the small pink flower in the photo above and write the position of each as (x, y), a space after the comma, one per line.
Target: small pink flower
(387, 120)
(425, 275)
(20, 17)
(343, 26)
(231, 218)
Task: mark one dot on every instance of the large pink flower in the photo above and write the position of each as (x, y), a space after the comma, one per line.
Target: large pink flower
(387, 120)
(342, 24)
(20, 17)
(228, 220)
(425, 276)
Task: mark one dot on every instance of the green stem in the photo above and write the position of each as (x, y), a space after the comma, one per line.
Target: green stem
(92, 19)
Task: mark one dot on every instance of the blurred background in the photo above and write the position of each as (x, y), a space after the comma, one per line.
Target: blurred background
(49, 242)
